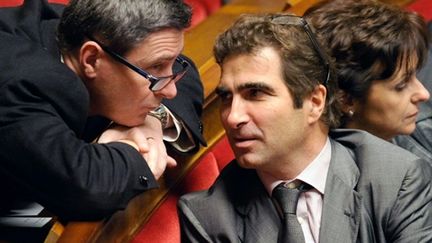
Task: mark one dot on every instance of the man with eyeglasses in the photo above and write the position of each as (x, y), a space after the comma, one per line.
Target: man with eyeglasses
(81, 120)
(295, 178)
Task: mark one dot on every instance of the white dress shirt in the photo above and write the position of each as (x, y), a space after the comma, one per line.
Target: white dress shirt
(182, 141)
(309, 206)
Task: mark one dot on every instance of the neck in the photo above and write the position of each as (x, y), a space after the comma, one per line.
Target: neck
(311, 147)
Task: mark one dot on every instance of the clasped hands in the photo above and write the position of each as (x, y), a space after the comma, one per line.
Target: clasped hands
(147, 139)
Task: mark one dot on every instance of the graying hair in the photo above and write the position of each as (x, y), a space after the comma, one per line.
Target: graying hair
(119, 24)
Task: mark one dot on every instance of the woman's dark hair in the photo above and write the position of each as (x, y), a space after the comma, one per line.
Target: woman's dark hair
(369, 41)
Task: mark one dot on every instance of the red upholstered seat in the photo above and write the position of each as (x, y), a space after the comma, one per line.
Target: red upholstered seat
(15, 3)
(163, 226)
(423, 7)
(211, 5)
(199, 11)
(64, 2)
(10, 3)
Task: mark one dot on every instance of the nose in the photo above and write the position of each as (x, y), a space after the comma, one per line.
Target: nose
(167, 92)
(421, 94)
(234, 115)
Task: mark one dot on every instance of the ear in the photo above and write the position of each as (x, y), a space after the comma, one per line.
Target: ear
(90, 56)
(317, 101)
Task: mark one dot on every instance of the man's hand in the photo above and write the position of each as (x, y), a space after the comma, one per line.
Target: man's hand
(147, 139)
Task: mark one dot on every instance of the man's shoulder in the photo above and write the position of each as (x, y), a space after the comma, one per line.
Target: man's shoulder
(381, 171)
(377, 159)
(360, 141)
(372, 152)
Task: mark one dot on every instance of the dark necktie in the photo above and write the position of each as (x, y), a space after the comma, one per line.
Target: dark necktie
(287, 197)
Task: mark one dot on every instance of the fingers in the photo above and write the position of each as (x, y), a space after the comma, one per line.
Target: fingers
(132, 136)
(111, 135)
(140, 139)
(157, 158)
(147, 139)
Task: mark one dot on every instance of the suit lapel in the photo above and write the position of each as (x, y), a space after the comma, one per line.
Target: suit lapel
(259, 220)
(342, 204)
(262, 222)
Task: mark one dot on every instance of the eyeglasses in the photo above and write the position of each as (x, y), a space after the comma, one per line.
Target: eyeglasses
(156, 83)
(297, 20)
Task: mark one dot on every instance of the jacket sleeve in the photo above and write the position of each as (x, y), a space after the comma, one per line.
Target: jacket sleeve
(43, 112)
(188, 103)
(42, 155)
(410, 219)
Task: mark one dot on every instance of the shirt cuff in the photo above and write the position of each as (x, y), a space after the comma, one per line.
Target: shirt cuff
(178, 135)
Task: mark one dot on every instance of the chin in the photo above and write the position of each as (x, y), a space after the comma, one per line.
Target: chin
(247, 161)
(408, 130)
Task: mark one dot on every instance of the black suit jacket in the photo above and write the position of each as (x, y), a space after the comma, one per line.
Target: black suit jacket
(45, 153)
(375, 192)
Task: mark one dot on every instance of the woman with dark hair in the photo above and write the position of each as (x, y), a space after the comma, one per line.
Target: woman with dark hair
(378, 49)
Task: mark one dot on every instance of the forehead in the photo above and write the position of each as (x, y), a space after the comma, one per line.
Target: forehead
(264, 66)
(406, 66)
(165, 44)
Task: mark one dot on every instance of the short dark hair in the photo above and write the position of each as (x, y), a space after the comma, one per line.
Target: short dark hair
(302, 67)
(120, 24)
(369, 41)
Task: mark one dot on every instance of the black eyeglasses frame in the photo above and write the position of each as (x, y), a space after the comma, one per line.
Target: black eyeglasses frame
(156, 83)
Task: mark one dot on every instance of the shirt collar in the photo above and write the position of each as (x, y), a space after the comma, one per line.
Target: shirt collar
(315, 174)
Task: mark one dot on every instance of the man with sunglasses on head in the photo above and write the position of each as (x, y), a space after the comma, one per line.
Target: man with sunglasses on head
(295, 178)
(81, 87)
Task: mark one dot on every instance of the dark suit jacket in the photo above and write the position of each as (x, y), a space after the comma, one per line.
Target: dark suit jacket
(45, 131)
(375, 192)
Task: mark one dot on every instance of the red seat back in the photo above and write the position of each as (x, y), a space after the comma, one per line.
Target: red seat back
(10, 3)
(163, 226)
(423, 7)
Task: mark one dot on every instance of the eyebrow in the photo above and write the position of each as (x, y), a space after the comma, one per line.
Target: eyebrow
(220, 90)
(160, 59)
(407, 75)
(157, 60)
(255, 85)
(168, 57)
